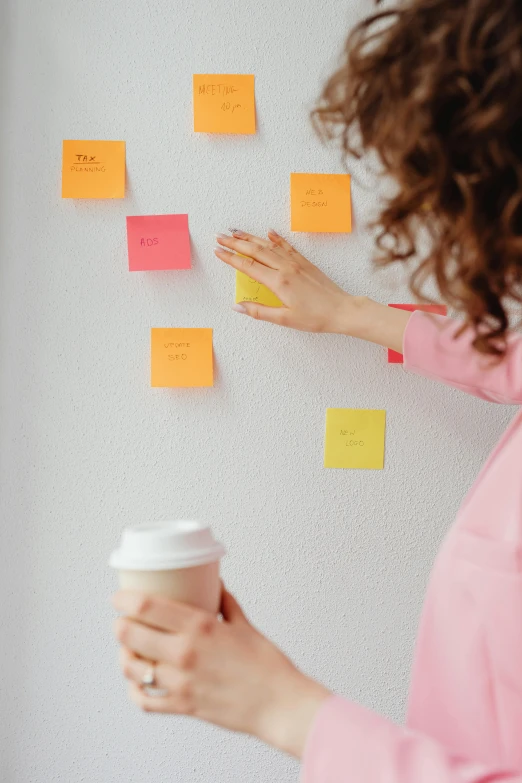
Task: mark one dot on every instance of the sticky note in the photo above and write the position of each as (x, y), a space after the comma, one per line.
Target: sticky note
(93, 169)
(156, 242)
(181, 357)
(354, 438)
(224, 103)
(394, 357)
(320, 202)
(249, 290)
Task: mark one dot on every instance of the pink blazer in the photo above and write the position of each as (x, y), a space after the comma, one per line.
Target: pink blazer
(465, 711)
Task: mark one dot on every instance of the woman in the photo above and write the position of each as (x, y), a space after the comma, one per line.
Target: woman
(434, 89)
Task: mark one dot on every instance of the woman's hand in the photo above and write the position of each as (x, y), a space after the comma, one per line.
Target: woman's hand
(312, 302)
(224, 672)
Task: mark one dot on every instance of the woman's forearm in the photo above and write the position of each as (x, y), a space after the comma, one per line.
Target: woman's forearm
(374, 322)
(311, 301)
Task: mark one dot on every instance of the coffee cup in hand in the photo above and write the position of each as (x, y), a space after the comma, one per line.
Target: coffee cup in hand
(178, 559)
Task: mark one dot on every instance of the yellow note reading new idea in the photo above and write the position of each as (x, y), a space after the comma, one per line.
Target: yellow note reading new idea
(354, 438)
(249, 290)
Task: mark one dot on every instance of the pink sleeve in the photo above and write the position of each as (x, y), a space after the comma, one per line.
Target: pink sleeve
(430, 349)
(350, 744)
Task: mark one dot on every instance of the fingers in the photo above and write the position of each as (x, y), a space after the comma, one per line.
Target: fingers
(155, 610)
(154, 628)
(230, 609)
(149, 703)
(179, 700)
(135, 669)
(249, 237)
(273, 239)
(145, 641)
(249, 266)
(282, 243)
(275, 245)
(258, 249)
(272, 315)
(177, 680)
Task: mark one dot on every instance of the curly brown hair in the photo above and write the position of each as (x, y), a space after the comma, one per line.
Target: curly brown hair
(434, 87)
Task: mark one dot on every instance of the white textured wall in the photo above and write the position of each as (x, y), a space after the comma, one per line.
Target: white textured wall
(332, 564)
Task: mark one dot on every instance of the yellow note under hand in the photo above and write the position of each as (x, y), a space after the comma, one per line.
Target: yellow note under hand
(249, 290)
(181, 357)
(224, 103)
(93, 169)
(320, 202)
(354, 438)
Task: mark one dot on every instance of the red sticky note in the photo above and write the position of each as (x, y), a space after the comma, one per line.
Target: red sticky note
(157, 242)
(394, 357)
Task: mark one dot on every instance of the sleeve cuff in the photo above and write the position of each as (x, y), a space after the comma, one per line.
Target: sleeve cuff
(342, 742)
(421, 338)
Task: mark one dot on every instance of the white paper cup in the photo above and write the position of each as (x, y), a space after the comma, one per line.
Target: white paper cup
(177, 559)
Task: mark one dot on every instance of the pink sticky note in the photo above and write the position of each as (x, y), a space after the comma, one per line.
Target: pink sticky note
(158, 242)
(393, 356)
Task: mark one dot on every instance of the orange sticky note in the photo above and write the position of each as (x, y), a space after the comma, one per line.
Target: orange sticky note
(224, 103)
(93, 169)
(158, 242)
(394, 357)
(321, 202)
(181, 357)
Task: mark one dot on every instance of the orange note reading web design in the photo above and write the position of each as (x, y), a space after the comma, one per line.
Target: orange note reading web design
(320, 202)
(181, 357)
(93, 169)
(224, 103)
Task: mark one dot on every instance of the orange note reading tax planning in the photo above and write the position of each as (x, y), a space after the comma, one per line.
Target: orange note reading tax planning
(320, 202)
(224, 103)
(93, 169)
(181, 357)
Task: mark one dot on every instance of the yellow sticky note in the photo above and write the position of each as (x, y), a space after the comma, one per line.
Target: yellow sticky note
(249, 290)
(181, 357)
(354, 438)
(93, 169)
(224, 103)
(320, 202)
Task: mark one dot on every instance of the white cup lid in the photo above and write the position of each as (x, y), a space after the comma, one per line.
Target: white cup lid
(166, 545)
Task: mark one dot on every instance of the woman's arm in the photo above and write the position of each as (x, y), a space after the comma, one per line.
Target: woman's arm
(350, 743)
(229, 674)
(225, 672)
(312, 302)
(433, 348)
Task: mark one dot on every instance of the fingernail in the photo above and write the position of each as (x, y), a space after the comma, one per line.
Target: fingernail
(239, 308)
(220, 249)
(237, 232)
(222, 236)
(273, 231)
